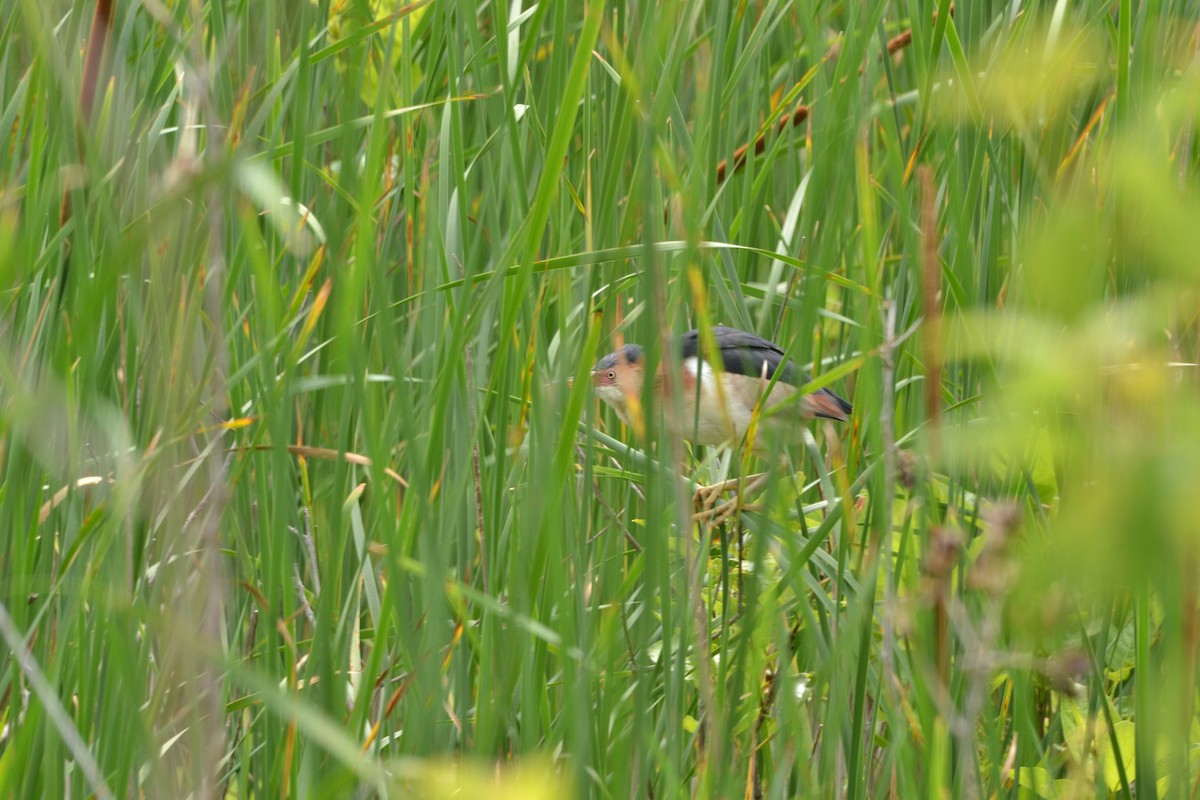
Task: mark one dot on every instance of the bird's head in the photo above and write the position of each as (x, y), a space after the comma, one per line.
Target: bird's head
(618, 377)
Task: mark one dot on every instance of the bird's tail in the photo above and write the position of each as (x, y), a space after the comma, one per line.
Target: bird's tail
(827, 405)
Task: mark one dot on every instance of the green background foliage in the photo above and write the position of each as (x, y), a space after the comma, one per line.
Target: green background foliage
(297, 498)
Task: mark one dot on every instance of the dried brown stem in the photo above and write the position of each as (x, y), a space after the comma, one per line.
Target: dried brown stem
(931, 291)
(102, 23)
(801, 112)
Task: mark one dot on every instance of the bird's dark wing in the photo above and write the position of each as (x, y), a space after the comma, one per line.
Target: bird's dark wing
(744, 353)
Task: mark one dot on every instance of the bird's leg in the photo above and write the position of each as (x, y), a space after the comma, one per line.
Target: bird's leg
(706, 497)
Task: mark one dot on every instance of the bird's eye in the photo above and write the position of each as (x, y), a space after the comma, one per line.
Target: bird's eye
(612, 376)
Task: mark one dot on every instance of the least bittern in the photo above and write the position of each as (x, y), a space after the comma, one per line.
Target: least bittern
(718, 406)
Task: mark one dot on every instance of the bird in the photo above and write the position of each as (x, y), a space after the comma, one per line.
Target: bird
(718, 405)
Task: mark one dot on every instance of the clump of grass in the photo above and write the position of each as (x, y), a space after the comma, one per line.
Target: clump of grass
(297, 500)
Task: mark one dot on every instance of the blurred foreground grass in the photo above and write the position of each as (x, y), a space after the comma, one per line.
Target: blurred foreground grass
(296, 500)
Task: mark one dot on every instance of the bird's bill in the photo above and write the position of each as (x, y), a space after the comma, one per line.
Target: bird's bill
(549, 385)
(594, 377)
